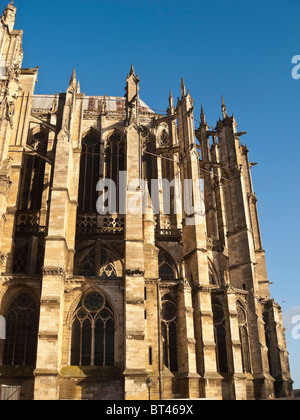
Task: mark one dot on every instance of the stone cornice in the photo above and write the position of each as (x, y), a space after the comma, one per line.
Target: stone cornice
(136, 272)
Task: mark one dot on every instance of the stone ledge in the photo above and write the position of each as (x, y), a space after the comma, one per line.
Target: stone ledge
(135, 373)
(16, 371)
(101, 372)
(45, 372)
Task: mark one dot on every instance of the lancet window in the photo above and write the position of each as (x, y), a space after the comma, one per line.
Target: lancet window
(89, 173)
(115, 161)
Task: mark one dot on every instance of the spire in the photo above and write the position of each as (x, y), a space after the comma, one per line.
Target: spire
(132, 96)
(182, 88)
(224, 109)
(202, 116)
(73, 78)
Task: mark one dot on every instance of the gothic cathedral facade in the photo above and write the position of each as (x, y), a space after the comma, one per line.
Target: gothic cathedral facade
(96, 303)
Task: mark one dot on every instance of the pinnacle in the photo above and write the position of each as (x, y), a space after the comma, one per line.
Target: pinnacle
(182, 86)
(73, 77)
(202, 115)
(131, 70)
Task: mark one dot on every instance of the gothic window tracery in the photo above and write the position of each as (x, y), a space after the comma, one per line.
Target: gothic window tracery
(166, 269)
(169, 332)
(20, 259)
(93, 332)
(108, 269)
(21, 332)
(85, 264)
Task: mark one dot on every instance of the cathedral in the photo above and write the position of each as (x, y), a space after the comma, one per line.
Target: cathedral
(105, 299)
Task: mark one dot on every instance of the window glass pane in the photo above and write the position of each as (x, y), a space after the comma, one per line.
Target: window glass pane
(173, 346)
(75, 349)
(99, 341)
(86, 343)
(109, 343)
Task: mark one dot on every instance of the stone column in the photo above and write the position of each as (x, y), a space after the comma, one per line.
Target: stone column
(195, 251)
(58, 243)
(135, 369)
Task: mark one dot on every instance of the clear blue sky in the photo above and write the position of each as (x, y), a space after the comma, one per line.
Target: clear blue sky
(239, 48)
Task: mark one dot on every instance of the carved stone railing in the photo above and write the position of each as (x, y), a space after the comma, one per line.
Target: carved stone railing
(28, 222)
(97, 225)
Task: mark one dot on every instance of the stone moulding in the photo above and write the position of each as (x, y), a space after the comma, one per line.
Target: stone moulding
(53, 271)
(137, 272)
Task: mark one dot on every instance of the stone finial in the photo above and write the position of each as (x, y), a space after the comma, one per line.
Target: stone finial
(202, 116)
(9, 16)
(171, 100)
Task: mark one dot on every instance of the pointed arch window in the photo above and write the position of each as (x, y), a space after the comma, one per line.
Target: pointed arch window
(244, 338)
(169, 332)
(93, 332)
(89, 173)
(115, 160)
(34, 171)
(220, 337)
(20, 346)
